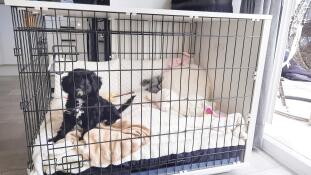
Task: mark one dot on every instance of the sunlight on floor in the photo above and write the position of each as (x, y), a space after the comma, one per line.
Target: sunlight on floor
(292, 133)
(260, 164)
(300, 106)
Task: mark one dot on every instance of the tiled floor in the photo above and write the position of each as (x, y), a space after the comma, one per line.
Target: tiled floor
(260, 164)
(293, 129)
(291, 133)
(13, 143)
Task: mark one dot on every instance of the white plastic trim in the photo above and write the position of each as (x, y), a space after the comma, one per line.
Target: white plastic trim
(215, 170)
(102, 8)
(257, 87)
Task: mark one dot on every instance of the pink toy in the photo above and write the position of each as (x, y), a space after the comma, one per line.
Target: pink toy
(209, 110)
(176, 62)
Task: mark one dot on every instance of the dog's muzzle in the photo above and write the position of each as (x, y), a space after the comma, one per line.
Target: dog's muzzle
(80, 92)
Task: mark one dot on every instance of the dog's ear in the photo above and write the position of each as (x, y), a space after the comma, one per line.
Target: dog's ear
(145, 82)
(67, 83)
(95, 82)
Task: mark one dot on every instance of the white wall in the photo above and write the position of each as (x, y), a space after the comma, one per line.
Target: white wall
(6, 37)
(7, 59)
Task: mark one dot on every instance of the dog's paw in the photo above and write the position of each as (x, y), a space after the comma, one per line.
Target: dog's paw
(54, 139)
(110, 122)
(107, 122)
(51, 140)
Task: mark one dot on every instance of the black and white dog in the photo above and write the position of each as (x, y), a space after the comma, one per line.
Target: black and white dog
(84, 107)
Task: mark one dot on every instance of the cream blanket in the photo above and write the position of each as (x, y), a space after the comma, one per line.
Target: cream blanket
(100, 146)
(103, 146)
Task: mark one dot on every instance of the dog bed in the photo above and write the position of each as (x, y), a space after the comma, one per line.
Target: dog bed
(169, 135)
(169, 139)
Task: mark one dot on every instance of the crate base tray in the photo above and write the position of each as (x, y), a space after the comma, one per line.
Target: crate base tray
(174, 163)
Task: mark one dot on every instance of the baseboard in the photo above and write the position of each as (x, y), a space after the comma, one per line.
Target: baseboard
(286, 156)
(8, 70)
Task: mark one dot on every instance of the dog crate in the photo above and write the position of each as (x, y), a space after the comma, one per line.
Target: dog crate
(196, 77)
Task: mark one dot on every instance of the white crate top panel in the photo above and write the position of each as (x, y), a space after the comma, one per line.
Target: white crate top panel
(88, 10)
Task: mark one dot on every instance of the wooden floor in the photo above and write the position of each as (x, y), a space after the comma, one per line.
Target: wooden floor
(13, 157)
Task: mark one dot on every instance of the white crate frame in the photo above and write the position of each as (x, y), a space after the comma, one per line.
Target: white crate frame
(260, 67)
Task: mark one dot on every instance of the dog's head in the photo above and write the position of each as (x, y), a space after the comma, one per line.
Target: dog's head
(153, 85)
(81, 82)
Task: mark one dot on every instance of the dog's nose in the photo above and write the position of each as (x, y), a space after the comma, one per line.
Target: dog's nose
(79, 92)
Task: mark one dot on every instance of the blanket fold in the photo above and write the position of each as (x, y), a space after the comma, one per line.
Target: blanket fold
(113, 143)
(101, 146)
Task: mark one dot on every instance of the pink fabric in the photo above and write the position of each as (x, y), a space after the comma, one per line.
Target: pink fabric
(209, 110)
(176, 62)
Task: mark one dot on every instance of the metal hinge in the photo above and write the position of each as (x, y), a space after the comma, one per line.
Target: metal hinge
(24, 105)
(17, 51)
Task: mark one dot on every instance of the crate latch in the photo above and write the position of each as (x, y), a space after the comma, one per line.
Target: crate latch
(24, 105)
(17, 51)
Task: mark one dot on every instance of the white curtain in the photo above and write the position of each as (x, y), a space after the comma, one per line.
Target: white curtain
(274, 8)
